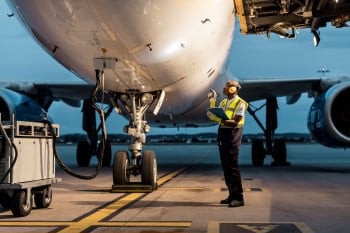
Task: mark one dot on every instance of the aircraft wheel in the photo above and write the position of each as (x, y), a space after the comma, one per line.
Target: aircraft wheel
(83, 154)
(149, 169)
(121, 172)
(107, 155)
(43, 198)
(258, 153)
(5, 200)
(279, 153)
(19, 205)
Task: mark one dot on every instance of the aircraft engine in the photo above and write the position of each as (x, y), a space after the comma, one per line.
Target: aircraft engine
(23, 107)
(329, 116)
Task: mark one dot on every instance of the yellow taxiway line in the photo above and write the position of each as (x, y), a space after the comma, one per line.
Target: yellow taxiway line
(96, 219)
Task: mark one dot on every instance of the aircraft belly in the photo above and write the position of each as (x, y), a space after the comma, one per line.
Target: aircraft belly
(156, 44)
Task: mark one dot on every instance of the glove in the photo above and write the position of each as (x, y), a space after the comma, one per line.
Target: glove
(212, 94)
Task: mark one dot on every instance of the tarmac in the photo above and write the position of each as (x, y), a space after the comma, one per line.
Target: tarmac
(310, 196)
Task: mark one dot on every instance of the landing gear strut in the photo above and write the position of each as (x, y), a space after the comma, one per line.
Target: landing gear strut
(135, 103)
(139, 163)
(273, 146)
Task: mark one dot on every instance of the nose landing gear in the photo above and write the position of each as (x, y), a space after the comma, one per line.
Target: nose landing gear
(139, 163)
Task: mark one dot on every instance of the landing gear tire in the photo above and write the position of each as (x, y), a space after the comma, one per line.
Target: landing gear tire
(279, 153)
(149, 169)
(43, 199)
(258, 153)
(107, 155)
(19, 205)
(121, 172)
(83, 154)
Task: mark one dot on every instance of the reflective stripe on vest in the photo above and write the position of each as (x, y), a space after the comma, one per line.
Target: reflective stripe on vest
(232, 108)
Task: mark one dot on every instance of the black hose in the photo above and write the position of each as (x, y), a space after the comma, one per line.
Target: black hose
(93, 100)
(64, 166)
(12, 163)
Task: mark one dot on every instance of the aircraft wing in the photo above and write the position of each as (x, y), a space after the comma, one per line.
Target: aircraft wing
(257, 89)
(73, 91)
(73, 94)
(45, 93)
(253, 89)
(263, 88)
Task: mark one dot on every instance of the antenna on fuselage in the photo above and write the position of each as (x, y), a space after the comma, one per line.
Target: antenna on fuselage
(323, 71)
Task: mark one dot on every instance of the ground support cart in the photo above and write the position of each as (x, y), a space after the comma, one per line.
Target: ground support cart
(27, 165)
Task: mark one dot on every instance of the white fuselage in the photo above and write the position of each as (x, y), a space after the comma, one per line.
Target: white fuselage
(178, 46)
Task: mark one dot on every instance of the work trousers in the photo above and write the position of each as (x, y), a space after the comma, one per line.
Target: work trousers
(229, 141)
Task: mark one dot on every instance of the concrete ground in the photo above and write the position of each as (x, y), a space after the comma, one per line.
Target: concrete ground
(311, 195)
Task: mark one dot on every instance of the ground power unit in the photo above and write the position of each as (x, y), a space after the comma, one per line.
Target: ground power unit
(27, 165)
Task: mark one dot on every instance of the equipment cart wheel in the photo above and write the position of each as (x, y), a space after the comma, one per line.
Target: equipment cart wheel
(43, 197)
(21, 205)
(5, 200)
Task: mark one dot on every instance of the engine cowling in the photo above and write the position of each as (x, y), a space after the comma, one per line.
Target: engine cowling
(329, 116)
(19, 105)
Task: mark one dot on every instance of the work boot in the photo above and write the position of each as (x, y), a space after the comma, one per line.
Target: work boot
(225, 201)
(236, 203)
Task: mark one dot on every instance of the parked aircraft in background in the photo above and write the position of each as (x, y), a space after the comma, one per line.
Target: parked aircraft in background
(154, 62)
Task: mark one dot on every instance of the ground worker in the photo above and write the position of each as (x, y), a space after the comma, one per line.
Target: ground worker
(229, 139)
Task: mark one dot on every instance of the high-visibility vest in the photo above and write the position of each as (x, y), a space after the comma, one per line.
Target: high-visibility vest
(229, 110)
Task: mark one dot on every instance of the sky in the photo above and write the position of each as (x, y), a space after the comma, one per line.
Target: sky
(253, 56)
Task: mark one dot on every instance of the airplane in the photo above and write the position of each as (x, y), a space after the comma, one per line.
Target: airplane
(154, 62)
